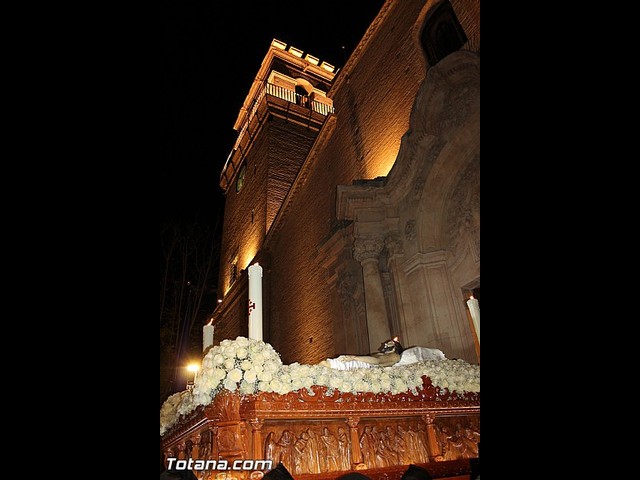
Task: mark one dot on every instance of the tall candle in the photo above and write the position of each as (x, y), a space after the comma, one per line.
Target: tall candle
(255, 301)
(474, 308)
(207, 335)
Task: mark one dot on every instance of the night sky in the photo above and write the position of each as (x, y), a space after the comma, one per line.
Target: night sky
(211, 51)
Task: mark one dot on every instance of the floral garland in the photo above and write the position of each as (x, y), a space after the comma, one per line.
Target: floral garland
(251, 366)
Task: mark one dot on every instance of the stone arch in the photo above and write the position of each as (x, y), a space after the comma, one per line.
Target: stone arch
(303, 85)
(446, 117)
(439, 170)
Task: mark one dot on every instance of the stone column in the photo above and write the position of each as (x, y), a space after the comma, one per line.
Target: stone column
(395, 250)
(367, 252)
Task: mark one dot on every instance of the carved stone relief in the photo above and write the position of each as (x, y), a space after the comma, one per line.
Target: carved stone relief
(367, 248)
(410, 230)
(462, 225)
(351, 294)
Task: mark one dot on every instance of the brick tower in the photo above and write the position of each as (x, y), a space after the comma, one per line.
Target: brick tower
(286, 107)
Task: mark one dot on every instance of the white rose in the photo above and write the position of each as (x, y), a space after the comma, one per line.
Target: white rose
(213, 383)
(246, 388)
(225, 343)
(230, 351)
(399, 386)
(346, 387)
(250, 376)
(307, 382)
(361, 386)
(202, 398)
(229, 363)
(283, 388)
(242, 352)
(258, 367)
(257, 358)
(265, 376)
(335, 382)
(275, 385)
(246, 365)
(218, 359)
(271, 366)
(296, 384)
(385, 385)
(242, 341)
(218, 374)
(264, 387)
(235, 375)
(229, 384)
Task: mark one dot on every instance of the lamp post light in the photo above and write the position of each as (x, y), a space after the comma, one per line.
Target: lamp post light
(192, 367)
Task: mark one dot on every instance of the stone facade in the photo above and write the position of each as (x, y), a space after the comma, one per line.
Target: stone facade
(377, 234)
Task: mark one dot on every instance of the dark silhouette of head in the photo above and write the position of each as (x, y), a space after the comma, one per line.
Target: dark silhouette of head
(414, 472)
(391, 345)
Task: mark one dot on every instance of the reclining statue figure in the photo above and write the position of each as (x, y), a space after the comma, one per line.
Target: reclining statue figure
(387, 355)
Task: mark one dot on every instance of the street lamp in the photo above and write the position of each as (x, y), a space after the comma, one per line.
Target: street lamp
(192, 367)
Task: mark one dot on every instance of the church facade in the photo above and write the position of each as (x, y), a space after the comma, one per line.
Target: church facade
(358, 191)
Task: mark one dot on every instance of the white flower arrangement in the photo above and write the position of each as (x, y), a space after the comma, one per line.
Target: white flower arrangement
(250, 366)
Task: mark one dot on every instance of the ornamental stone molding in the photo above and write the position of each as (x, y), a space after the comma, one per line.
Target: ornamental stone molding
(394, 245)
(448, 97)
(368, 249)
(410, 230)
(462, 224)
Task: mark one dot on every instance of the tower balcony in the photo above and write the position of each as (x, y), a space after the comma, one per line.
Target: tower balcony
(310, 111)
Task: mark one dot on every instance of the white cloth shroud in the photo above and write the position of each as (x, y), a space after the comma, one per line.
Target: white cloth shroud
(409, 356)
(420, 354)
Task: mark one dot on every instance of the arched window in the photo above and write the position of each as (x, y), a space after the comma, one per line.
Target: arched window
(442, 33)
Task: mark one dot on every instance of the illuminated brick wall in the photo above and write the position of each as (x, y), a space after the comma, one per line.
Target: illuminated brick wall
(373, 99)
(373, 96)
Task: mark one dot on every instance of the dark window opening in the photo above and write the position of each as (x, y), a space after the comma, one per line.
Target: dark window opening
(302, 98)
(442, 34)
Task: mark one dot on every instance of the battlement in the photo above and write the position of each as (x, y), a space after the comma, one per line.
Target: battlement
(290, 84)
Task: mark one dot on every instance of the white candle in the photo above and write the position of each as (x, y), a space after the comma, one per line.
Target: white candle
(255, 301)
(474, 308)
(207, 336)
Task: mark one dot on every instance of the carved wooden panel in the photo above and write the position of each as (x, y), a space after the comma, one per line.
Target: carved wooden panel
(188, 449)
(225, 407)
(308, 447)
(458, 436)
(393, 441)
(232, 441)
(320, 432)
(205, 445)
